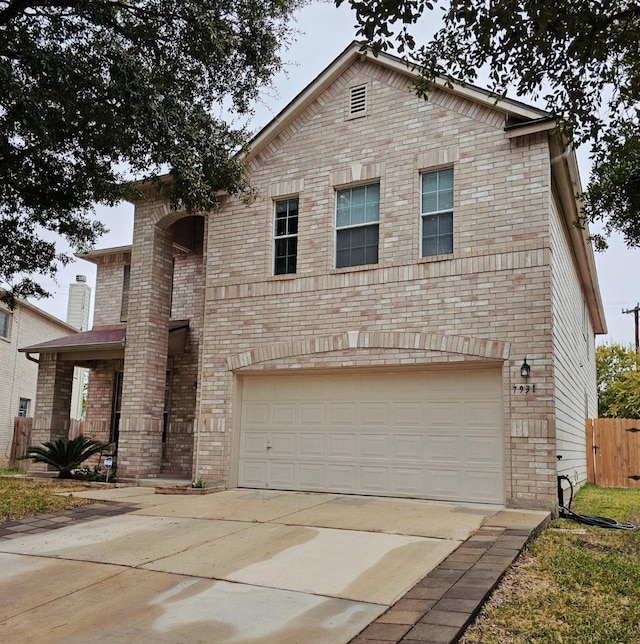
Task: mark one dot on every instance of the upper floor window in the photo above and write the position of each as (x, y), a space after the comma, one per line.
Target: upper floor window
(437, 212)
(5, 324)
(357, 216)
(285, 237)
(124, 305)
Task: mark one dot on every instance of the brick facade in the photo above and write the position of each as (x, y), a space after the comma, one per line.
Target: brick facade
(516, 285)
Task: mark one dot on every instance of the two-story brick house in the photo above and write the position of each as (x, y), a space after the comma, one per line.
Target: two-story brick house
(362, 326)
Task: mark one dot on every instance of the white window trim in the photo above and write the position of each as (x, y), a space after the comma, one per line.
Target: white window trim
(9, 315)
(336, 228)
(445, 211)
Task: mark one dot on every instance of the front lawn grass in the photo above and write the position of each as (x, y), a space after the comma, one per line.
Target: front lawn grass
(23, 497)
(573, 583)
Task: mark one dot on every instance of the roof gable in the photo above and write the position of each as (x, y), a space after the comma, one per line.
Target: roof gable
(468, 99)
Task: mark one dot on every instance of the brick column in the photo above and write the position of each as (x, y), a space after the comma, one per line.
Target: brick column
(145, 358)
(53, 402)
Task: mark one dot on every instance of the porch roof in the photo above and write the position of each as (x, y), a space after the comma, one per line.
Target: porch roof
(105, 342)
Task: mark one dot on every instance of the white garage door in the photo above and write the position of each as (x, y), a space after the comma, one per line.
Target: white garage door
(424, 434)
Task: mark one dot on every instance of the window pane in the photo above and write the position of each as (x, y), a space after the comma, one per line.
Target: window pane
(357, 246)
(358, 196)
(445, 244)
(292, 228)
(430, 202)
(437, 234)
(430, 182)
(437, 191)
(281, 226)
(445, 179)
(358, 214)
(280, 267)
(4, 324)
(285, 255)
(445, 200)
(445, 223)
(373, 193)
(355, 206)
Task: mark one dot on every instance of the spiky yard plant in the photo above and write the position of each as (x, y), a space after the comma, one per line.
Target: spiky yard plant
(65, 455)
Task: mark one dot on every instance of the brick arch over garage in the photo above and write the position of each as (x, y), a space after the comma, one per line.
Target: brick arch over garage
(463, 345)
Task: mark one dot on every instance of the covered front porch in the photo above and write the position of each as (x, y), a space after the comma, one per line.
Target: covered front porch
(163, 440)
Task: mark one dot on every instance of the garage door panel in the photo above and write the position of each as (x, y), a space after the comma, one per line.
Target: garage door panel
(407, 414)
(374, 414)
(483, 383)
(444, 483)
(342, 446)
(339, 387)
(284, 414)
(310, 476)
(443, 382)
(444, 414)
(374, 480)
(427, 434)
(312, 445)
(253, 473)
(407, 481)
(282, 474)
(448, 449)
(483, 486)
(312, 414)
(258, 388)
(342, 478)
(481, 414)
(282, 444)
(483, 450)
(407, 447)
(342, 414)
(373, 446)
(256, 414)
(254, 443)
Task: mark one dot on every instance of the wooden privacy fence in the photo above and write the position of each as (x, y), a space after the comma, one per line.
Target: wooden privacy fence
(613, 452)
(21, 441)
(22, 438)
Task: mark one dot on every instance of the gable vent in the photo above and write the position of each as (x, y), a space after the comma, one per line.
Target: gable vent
(358, 102)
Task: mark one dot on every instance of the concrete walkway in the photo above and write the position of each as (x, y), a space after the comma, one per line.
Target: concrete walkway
(252, 566)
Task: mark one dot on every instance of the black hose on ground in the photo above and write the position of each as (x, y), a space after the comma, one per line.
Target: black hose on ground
(599, 522)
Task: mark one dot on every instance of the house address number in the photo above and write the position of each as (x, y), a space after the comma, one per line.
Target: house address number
(524, 389)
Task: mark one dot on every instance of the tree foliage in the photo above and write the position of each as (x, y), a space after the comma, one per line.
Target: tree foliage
(93, 92)
(618, 369)
(65, 455)
(582, 58)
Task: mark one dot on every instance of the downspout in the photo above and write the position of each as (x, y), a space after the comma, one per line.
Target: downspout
(28, 356)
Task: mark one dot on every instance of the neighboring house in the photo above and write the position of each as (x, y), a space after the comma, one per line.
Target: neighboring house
(23, 326)
(362, 326)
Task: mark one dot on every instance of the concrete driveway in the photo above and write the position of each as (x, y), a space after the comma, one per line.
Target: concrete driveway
(236, 566)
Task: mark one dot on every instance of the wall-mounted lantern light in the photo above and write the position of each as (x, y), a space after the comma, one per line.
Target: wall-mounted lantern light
(525, 369)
